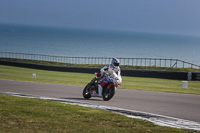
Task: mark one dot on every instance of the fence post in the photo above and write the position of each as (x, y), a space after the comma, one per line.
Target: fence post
(136, 61)
(170, 62)
(160, 63)
(132, 61)
(128, 61)
(150, 62)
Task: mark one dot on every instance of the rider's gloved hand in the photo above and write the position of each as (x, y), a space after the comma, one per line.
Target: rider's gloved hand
(98, 76)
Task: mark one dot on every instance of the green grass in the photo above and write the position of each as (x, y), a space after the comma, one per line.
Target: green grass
(32, 115)
(151, 84)
(99, 66)
(164, 85)
(24, 115)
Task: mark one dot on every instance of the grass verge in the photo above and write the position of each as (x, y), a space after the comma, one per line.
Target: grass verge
(19, 114)
(152, 84)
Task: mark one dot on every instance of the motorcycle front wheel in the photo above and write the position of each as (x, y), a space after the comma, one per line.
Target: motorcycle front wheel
(86, 93)
(108, 94)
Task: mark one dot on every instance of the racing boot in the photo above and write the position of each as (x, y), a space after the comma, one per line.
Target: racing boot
(99, 91)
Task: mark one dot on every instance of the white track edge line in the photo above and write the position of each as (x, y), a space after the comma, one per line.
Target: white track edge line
(154, 118)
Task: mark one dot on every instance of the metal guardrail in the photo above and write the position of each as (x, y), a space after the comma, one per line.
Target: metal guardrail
(146, 62)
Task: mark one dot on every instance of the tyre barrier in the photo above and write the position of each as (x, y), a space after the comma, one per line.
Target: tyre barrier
(124, 72)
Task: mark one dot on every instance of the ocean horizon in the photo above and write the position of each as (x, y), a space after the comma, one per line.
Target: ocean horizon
(74, 42)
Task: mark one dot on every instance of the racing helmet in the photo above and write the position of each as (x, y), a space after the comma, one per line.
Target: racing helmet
(115, 62)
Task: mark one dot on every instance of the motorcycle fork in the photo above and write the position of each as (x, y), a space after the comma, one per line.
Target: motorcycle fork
(103, 84)
(106, 85)
(109, 86)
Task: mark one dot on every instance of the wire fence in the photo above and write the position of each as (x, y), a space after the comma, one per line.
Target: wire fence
(146, 62)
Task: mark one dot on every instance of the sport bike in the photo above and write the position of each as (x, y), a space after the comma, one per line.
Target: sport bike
(104, 87)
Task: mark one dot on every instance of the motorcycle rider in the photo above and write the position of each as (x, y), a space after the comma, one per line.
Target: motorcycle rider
(114, 66)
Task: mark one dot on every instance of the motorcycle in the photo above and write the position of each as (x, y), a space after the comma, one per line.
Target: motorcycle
(104, 87)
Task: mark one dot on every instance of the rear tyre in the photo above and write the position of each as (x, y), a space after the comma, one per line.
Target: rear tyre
(108, 94)
(86, 93)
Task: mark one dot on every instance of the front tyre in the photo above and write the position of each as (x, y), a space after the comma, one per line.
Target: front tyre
(108, 94)
(86, 93)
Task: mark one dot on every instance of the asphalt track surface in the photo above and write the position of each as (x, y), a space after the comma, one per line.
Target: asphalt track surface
(183, 106)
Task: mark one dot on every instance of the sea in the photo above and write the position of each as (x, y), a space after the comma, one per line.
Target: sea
(77, 42)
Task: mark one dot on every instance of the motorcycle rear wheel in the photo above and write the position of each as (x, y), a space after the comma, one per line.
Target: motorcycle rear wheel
(108, 94)
(86, 93)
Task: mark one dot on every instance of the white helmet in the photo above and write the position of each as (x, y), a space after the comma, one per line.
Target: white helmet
(115, 62)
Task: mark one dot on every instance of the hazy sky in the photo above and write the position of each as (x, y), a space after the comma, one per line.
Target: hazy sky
(170, 16)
